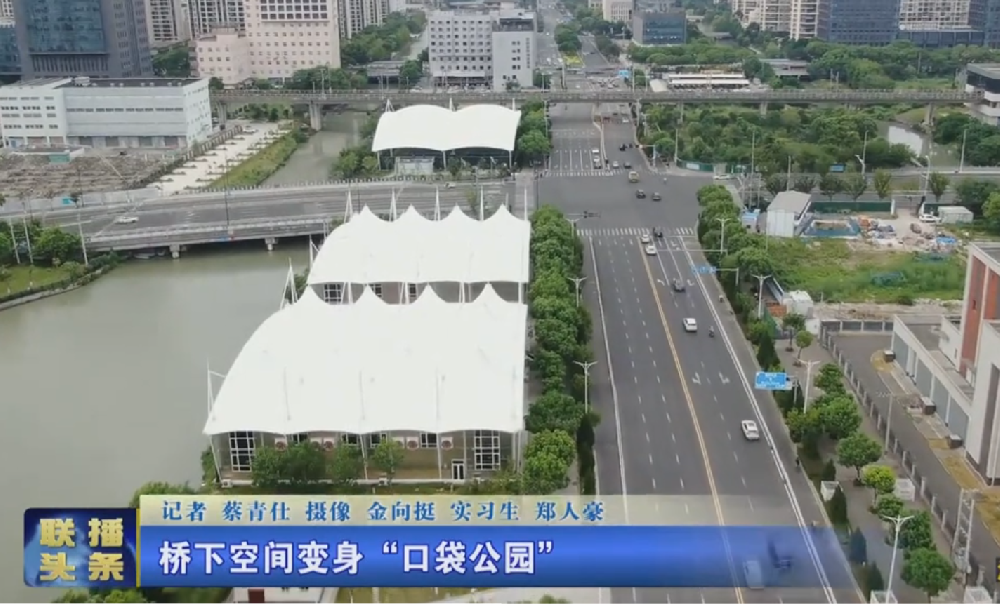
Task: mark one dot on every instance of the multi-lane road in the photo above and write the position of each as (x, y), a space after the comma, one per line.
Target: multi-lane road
(671, 402)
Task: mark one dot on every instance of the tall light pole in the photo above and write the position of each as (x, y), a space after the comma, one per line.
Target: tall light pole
(864, 153)
(805, 392)
(897, 523)
(961, 161)
(861, 160)
(577, 282)
(722, 234)
(586, 382)
(760, 293)
(79, 228)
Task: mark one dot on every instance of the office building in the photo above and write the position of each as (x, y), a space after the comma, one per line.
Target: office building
(10, 58)
(106, 113)
(223, 54)
(6, 9)
(514, 50)
(169, 22)
(206, 15)
(934, 14)
(97, 38)
(984, 78)
(356, 15)
(617, 11)
(659, 27)
(864, 22)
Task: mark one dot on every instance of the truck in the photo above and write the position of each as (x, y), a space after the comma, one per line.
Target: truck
(633, 176)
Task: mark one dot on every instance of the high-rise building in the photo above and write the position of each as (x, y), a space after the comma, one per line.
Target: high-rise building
(659, 27)
(6, 9)
(617, 11)
(461, 46)
(514, 50)
(356, 15)
(942, 23)
(169, 22)
(866, 22)
(97, 38)
(206, 15)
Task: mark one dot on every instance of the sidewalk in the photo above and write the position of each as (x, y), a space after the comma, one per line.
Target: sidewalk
(859, 498)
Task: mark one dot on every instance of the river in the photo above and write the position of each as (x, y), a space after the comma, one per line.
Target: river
(106, 386)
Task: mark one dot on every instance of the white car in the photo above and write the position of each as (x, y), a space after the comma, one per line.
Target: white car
(644, 239)
(126, 220)
(650, 250)
(750, 431)
(690, 325)
(929, 218)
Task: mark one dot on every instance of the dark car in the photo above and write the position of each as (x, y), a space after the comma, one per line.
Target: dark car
(656, 197)
(621, 148)
(658, 232)
(640, 194)
(678, 285)
(627, 165)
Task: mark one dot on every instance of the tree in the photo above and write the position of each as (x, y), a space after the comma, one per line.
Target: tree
(841, 418)
(215, 83)
(858, 450)
(556, 442)
(857, 548)
(554, 411)
(346, 465)
(915, 533)
(938, 184)
(838, 507)
(303, 463)
(927, 570)
(791, 324)
(830, 379)
(873, 580)
(265, 473)
(804, 183)
(882, 183)
(829, 471)
(991, 211)
(387, 457)
(454, 166)
(854, 184)
(776, 183)
(804, 427)
(533, 145)
(803, 340)
(159, 488)
(411, 72)
(173, 62)
(889, 506)
(880, 479)
(830, 185)
(544, 473)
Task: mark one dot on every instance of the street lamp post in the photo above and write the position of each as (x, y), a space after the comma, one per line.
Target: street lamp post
(864, 166)
(577, 283)
(864, 154)
(586, 382)
(897, 523)
(805, 392)
(760, 293)
(722, 234)
(961, 161)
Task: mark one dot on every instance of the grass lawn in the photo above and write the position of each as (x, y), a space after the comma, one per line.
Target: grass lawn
(400, 594)
(572, 59)
(916, 115)
(23, 277)
(834, 272)
(927, 84)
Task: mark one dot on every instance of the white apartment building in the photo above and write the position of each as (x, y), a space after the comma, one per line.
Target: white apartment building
(772, 15)
(617, 11)
(461, 46)
(934, 14)
(170, 113)
(7, 9)
(206, 15)
(514, 50)
(798, 18)
(355, 15)
(168, 22)
(224, 54)
(296, 34)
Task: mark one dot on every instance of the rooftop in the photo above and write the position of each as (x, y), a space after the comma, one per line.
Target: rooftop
(790, 201)
(86, 82)
(990, 249)
(989, 70)
(927, 329)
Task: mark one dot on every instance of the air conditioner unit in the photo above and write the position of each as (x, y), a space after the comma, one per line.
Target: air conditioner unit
(447, 443)
(383, 481)
(400, 440)
(280, 443)
(226, 483)
(329, 444)
(412, 443)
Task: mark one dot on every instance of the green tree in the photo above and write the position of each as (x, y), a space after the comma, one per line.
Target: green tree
(776, 183)
(838, 508)
(882, 183)
(533, 145)
(346, 465)
(841, 417)
(803, 340)
(880, 479)
(411, 72)
(265, 473)
(805, 427)
(554, 410)
(873, 580)
(829, 471)
(829, 379)
(927, 570)
(857, 548)
(973, 193)
(215, 84)
(804, 183)
(791, 324)
(830, 185)
(938, 184)
(173, 62)
(387, 457)
(555, 442)
(854, 184)
(303, 463)
(889, 506)
(544, 473)
(915, 533)
(857, 451)
(159, 488)
(991, 212)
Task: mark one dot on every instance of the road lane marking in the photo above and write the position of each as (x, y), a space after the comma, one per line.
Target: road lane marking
(694, 419)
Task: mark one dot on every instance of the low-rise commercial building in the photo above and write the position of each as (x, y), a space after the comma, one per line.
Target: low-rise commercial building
(660, 27)
(223, 54)
(984, 78)
(131, 113)
(482, 47)
(954, 362)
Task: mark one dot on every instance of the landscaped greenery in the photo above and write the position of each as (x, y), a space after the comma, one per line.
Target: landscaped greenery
(814, 139)
(173, 62)
(383, 42)
(255, 170)
(358, 160)
(827, 430)
(533, 140)
(981, 141)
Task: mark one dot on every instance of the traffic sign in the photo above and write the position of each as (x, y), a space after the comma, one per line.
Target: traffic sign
(67, 201)
(768, 380)
(624, 73)
(704, 270)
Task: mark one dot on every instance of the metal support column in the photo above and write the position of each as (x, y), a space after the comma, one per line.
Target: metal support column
(963, 529)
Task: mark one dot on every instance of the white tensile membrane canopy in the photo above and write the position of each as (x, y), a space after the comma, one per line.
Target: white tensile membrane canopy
(413, 249)
(371, 367)
(440, 129)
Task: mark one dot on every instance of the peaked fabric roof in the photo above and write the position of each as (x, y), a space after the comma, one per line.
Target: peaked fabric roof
(370, 367)
(414, 249)
(440, 129)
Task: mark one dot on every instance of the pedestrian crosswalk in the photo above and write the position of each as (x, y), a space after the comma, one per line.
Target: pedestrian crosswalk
(634, 232)
(591, 132)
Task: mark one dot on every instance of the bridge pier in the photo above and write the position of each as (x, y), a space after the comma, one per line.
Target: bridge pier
(271, 242)
(175, 251)
(763, 109)
(929, 114)
(680, 113)
(221, 109)
(316, 116)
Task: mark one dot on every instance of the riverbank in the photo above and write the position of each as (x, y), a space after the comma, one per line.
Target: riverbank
(262, 165)
(23, 284)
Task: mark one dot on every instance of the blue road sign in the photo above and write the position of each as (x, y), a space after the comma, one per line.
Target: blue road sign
(624, 73)
(838, 168)
(67, 201)
(704, 270)
(766, 380)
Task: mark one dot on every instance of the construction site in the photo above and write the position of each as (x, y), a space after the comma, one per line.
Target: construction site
(27, 176)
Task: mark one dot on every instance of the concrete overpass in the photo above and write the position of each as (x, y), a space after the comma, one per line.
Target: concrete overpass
(762, 97)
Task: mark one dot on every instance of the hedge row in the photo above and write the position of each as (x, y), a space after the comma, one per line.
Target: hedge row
(561, 341)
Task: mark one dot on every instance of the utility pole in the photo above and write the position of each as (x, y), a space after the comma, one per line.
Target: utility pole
(888, 423)
(961, 162)
(586, 382)
(722, 234)
(897, 523)
(805, 392)
(577, 282)
(760, 293)
(79, 228)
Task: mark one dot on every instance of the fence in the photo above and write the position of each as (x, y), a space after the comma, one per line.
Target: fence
(900, 421)
(849, 206)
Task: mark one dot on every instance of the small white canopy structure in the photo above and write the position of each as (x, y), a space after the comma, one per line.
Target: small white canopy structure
(440, 129)
(371, 367)
(414, 249)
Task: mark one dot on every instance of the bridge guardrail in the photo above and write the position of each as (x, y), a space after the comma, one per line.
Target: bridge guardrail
(235, 229)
